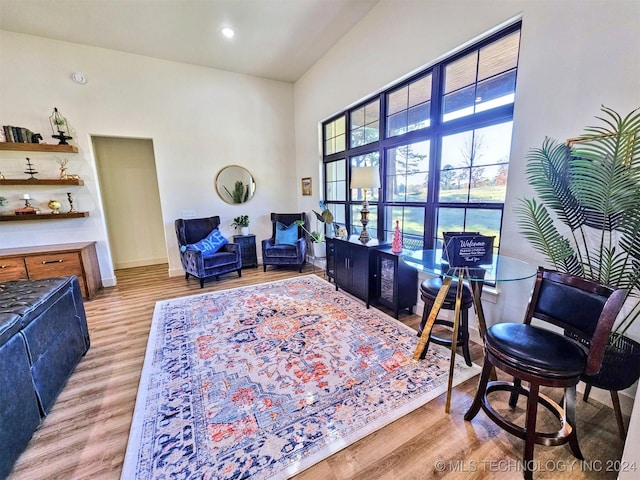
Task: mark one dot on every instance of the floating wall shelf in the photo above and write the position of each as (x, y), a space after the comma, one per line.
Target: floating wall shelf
(37, 147)
(42, 216)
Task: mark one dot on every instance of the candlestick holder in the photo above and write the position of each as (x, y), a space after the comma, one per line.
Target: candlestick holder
(30, 170)
(71, 209)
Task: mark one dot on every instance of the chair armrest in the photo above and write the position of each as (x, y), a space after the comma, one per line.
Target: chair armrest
(193, 255)
(301, 245)
(267, 243)
(231, 248)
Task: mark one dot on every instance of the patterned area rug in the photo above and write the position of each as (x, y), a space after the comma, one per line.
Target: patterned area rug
(263, 381)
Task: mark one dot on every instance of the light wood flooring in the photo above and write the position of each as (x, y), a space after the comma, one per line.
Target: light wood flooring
(85, 435)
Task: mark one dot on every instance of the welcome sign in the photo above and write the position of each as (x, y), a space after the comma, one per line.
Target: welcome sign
(468, 250)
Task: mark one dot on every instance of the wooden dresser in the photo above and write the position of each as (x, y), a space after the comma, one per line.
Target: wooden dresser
(47, 261)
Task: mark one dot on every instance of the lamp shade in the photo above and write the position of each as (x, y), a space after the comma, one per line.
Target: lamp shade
(365, 177)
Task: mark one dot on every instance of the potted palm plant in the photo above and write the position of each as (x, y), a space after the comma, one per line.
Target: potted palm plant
(586, 221)
(241, 222)
(317, 236)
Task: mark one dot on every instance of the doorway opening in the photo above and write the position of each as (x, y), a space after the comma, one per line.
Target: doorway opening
(128, 182)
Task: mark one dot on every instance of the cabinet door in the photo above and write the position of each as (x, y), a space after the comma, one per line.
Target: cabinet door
(331, 259)
(342, 270)
(386, 275)
(359, 264)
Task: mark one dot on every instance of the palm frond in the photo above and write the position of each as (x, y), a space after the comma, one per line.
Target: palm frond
(538, 228)
(548, 174)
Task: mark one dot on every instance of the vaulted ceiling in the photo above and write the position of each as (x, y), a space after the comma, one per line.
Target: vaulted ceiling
(277, 39)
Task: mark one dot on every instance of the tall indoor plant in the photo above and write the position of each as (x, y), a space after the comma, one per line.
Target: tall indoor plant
(586, 219)
(318, 235)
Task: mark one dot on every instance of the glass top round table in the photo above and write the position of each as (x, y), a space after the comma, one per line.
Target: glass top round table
(501, 269)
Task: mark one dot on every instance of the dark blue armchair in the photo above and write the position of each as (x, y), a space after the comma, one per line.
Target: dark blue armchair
(274, 253)
(203, 265)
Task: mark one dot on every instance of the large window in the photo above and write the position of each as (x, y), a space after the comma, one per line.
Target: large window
(441, 140)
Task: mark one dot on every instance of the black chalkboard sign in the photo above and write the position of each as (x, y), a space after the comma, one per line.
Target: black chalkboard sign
(467, 249)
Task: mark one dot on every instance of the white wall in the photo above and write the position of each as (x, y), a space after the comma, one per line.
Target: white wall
(575, 55)
(199, 120)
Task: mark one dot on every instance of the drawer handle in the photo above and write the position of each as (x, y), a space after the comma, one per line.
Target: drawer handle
(44, 262)
(3, 266)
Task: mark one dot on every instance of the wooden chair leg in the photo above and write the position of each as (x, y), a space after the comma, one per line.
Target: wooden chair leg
(570, 415)
(615, 400)
(515, 393)
(464, 336)
(530, 427)
(480, 392)
(587, 390)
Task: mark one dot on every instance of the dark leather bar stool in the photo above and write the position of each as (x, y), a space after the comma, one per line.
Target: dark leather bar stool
(541, 357)
(428, 291)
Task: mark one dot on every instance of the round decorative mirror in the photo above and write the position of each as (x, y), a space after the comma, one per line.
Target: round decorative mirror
(235, 184)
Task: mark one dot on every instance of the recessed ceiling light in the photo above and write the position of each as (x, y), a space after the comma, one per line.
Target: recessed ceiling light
(228, 32)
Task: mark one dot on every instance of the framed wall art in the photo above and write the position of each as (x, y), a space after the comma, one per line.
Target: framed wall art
(306, 186)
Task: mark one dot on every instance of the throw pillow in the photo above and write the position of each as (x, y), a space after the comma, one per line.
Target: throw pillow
(286, 235)
(211, 244)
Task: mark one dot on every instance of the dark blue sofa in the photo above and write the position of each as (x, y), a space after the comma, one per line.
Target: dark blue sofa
(43, 336)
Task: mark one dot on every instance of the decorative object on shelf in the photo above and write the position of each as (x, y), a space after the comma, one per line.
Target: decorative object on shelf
(364, 178)
(59, 127)
(3, 200)
(63, 170)
(306, 186)
(54, 205)
(71, 209)
(341, 232)
(20, 135)
(30, 170)
(318, 235)
(241, 222)
(28, 209)
(396, 246)
(1, 176)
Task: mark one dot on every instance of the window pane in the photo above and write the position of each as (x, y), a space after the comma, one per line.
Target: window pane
(475, 165)
(356, 224)
(397, 101)
(420, 91)
(365, 124)
(335, 180)
(367, 160)
(496, 91)
(411, 222)
(460, 73)
(495, 85)
(334, 133)
(459, 103)
(407, 172)
(409, 107)
(499, 56)
(485, 221)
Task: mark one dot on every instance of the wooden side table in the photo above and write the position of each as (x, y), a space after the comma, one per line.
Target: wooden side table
(247, 249)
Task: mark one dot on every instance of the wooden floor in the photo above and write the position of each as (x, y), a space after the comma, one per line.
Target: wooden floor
(85, 435)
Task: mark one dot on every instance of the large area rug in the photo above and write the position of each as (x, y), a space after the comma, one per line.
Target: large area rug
(263, 381)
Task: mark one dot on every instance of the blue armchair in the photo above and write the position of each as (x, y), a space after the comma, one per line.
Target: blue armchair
(201, 264)
(276, 253)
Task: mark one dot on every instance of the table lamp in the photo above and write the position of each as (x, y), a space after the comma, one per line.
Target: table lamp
(364, 178)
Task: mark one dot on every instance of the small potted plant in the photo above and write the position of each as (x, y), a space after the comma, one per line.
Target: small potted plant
(3, 200)
(317, 236)
(241, 222)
